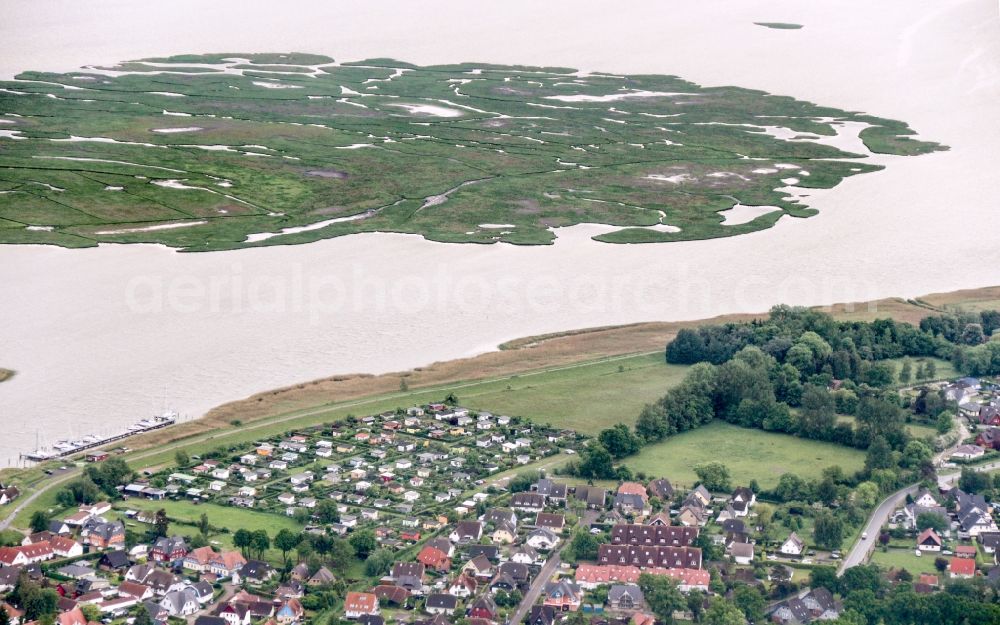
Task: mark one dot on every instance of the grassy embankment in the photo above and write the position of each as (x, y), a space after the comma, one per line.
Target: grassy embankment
(268, 150)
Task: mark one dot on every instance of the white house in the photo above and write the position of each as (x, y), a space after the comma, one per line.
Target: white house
(968, 452)
(929, 540)
(793, 545)
(542, 538)
(180, 602)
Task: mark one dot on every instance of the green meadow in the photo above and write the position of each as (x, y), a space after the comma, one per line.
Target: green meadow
(749, 454)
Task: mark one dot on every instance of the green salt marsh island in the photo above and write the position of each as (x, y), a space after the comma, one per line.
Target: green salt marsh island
(223, 151)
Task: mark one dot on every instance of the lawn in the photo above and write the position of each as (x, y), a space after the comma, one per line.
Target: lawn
(749, 454)
(918, 430)
(219, 517)
(944, 370)
(229, 517)
(587, 399)
(905, 559)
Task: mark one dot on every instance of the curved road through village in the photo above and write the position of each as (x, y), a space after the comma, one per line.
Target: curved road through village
(864, 546)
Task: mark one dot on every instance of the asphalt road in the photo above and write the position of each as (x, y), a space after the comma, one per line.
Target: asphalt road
(860, 551)
(864, 546)
(24, 502)
(546, 574)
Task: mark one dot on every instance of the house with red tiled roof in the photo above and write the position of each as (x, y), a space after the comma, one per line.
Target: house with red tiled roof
(358, 604)
(963, 568)
(633, 488)
(13, 613)
(135, 589)
(591, 576)
(390, 594)
(930, 580)
(72, 617)
(434, 558)
(26, 554)
(65, 547)
(207, 560)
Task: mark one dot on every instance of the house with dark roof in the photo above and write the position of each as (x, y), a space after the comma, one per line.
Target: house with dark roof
(492, 552)
(542, 615)
(653, 535)
(101, 534)
(661, 489)
(408, 575)
(440, 603)
(169, 549)
(254, 572)
(990, 541)
(650, 557)
(593, 496)
(494, 516)
(563, 595)
(466, 532)
(554, 492)
(483, 608)
(511, 576)
(114, 561)
(630, 503)
(989, 438)
(528, 502)
(973, 513)
(742, 500)
(625, 597)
